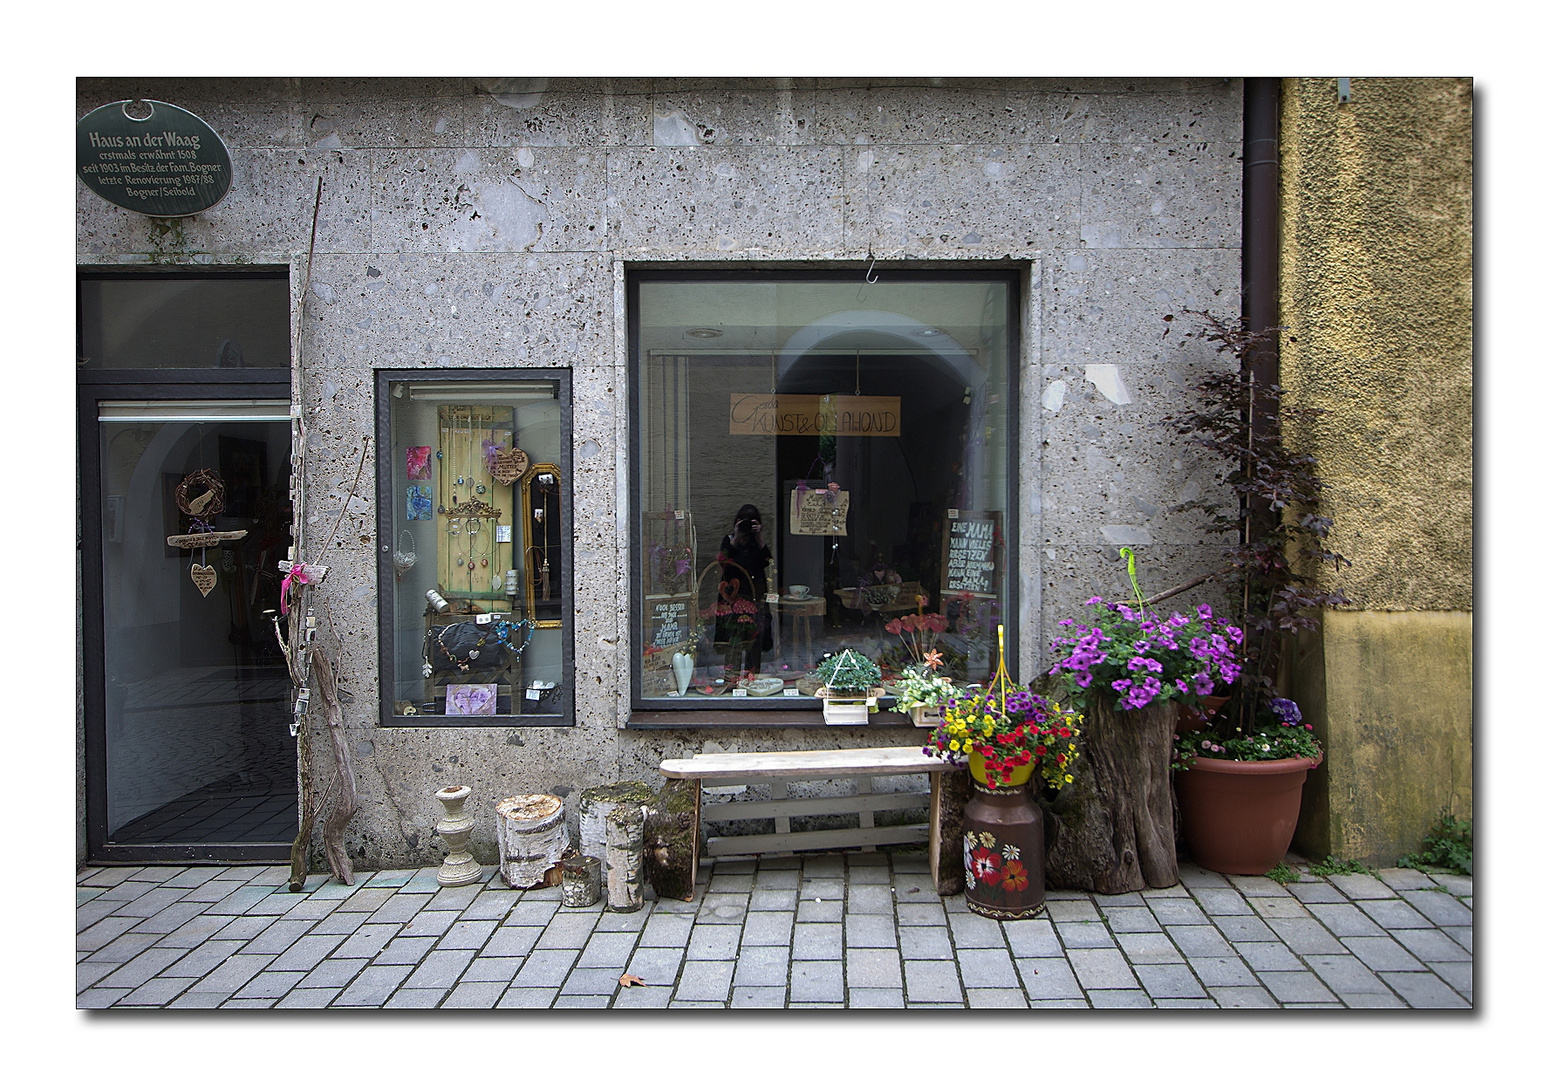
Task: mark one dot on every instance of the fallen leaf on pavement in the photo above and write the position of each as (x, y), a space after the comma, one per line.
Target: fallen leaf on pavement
(629, 980)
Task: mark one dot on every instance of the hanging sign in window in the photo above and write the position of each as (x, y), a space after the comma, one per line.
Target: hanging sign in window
(153, 158)
(970, 554)
(815, 414)
(823, 512)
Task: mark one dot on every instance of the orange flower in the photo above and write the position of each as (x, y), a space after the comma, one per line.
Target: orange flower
(932, 659)
(1013, 877)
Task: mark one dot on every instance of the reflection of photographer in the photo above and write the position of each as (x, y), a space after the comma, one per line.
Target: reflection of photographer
(746, 549)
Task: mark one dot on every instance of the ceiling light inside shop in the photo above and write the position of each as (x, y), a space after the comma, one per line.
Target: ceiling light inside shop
(705, 332)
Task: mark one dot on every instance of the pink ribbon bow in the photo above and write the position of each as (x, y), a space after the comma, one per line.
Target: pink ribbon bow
(298, 575)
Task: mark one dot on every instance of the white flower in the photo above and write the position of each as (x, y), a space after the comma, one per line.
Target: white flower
(1011, 851)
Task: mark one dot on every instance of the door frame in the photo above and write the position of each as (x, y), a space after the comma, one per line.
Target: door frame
(141, 384)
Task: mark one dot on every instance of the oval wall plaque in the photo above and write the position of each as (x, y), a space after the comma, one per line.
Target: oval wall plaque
(152, 158)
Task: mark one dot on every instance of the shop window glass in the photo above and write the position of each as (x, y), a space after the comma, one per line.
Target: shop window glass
(474, 554)
(178, 321)
(816, 459)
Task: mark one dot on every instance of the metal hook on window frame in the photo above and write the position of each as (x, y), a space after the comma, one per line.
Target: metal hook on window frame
(868, 279)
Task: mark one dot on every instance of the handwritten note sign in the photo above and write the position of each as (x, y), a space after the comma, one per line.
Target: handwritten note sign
(970, 556)
(815, 414)
(813, 513)
(670, 620)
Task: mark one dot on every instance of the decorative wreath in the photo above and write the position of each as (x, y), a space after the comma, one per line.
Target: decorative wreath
(207, 489)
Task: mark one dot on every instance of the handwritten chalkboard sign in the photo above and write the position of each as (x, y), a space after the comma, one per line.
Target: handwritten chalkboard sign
(670, 620)
(971, 559)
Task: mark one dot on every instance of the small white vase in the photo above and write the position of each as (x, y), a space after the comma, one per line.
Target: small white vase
(681, 665)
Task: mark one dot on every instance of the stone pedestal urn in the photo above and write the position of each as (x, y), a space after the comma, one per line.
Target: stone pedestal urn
(459, 866)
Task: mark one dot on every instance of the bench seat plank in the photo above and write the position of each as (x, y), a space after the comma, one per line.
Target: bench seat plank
(818, 764)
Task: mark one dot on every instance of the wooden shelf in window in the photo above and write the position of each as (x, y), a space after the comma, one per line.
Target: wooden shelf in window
(754, 718)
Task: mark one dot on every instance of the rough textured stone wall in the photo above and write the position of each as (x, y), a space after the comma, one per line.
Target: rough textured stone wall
(1376, 295)
(485, 223)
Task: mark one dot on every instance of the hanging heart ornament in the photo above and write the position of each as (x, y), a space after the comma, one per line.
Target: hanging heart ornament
(507, 466)
(203, 576)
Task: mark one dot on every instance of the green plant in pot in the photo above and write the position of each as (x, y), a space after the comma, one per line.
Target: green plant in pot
(1240, 777)
(919, 687)
(850, 685)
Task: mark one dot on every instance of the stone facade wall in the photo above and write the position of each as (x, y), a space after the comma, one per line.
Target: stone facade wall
(486, 223)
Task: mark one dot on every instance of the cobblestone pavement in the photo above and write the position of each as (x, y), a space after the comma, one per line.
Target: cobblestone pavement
(863, 930)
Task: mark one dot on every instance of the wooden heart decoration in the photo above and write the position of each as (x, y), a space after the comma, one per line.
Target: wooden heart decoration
(203, 576)
(508, 465)
(729, 590)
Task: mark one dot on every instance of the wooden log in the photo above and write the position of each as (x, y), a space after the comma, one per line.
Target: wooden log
(532, 838)
(624, 858)
(1115, 821)
(595, 803)
(333, 834)
(948, 795)
(671, 838)
(580, 880)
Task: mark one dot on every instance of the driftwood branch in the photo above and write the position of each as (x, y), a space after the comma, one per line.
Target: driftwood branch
(1188, 585)
(334, 831)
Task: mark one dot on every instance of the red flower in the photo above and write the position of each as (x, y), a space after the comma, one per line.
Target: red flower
(984, 865)
(1014, 877)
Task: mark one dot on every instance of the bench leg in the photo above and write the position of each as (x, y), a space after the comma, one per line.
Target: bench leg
(948, 795)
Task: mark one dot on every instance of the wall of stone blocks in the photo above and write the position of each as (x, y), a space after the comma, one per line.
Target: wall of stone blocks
(487, 222)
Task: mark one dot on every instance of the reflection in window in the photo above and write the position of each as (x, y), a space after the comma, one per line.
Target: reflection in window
(816, 461)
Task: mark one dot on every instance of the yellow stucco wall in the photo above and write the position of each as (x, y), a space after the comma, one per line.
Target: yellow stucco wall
(1376, 298)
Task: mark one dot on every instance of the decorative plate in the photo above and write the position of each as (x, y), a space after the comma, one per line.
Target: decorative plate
(765, 687)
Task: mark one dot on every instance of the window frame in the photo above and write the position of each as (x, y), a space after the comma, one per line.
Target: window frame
(669, 713)
(387, 506)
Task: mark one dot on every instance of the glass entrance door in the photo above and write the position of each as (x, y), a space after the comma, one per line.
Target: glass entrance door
(197, 757)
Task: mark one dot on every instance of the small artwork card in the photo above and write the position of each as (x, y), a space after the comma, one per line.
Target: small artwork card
(418, 463)
(418, 502)
(474, 699)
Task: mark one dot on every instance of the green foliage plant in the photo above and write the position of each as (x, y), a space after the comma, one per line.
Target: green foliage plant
(1331, 865)
(1283, 873)
(849, 674)
(1447, 847)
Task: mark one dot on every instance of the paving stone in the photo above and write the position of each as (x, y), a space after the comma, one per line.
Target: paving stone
(174, 916)
(1149, 949)
(589, 982)
(1195, 877)
(424, 880)
(1186, 1003)
(363, 900)
(876, 968)
(404, 950)
(1403, 879)
(204, 958)
(429, 923)
(311, 998)
(492, 969)
(666, 930)
(1169, 981)
(546, 967)
(1316, 892)
(1346, 975)
(1457, 975)
(928, 914)
(1073, 910)
(774, 900)
(1276, 907)
(650, 997)
(101, 998)
(786, 862)
(1362, 887)
(705, 980)
(270, 984)
(1440, 909)
(1119, 999)
(231, 974)
(194, 877)
(1215, 971)
(824, 889)
(528, 997)
(87, 974)
(1176, 911)
(1386, 1000)
(450, 899)
(92, 914)
(189, 1000)
(492, 904)
(473, 995)
(241, 900)
(399, 908)
(1048, 977)
(104, 932)
(932, 980)
(1243, 928)
(368, 941)
(871, 931)
(531, 913)
(1457, 884)
(607, 951)
(1101, 969)
(872, 997)
(1085, 935)
(818, 941)
(568, 930)
(714, 942)
(279, 903)
(1178, 890)
(127, 891)
(340, 922)
(1256, 886)
(1136, 920)
(823, 866)
(723, 908)
(124, 949)
(156, 992)
(1031, 937)
(990, 998)
(955, 905)
(105, 877)
(780, 879)
(925, 943)
(512, 941)
(656, 966)
(1307, 937)
(1243, 997)
(244, 928)
(332, 974)
(273, 876)
(1431, 945)
(416, 998)
(1199, 940)
(1102, 900)
(766, 965)
(870, 899)
(1461, 936)
(819, 911)
(914, 889)
(145, 967)
(768, 928)
(1269, 956)
(987, 968)
(1394, 914)
(731, 883)
(1289, 987)
(442, 969)
(277, 938)
(1345, 920)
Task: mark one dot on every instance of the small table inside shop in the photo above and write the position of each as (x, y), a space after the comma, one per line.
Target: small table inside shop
(801, 611)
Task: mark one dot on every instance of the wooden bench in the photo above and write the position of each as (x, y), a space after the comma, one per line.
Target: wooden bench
(860, 765)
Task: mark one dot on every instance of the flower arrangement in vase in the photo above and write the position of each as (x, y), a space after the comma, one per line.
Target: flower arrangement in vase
(920, 691)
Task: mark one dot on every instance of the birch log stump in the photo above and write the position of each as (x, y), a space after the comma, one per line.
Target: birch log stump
(624, 858)
(595, 803)
(671, 836)
(580, 880)
(1115, 831)
(532, 838)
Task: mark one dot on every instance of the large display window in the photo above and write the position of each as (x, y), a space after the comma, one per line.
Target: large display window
(475, 554)
(822, 463)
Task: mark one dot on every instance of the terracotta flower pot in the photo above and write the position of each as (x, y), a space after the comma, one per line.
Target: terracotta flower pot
(991, 778)
(1239, 816)
(1193, 717)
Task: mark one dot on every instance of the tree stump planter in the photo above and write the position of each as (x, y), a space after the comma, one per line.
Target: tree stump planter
(671, 835)
(1115, 831)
